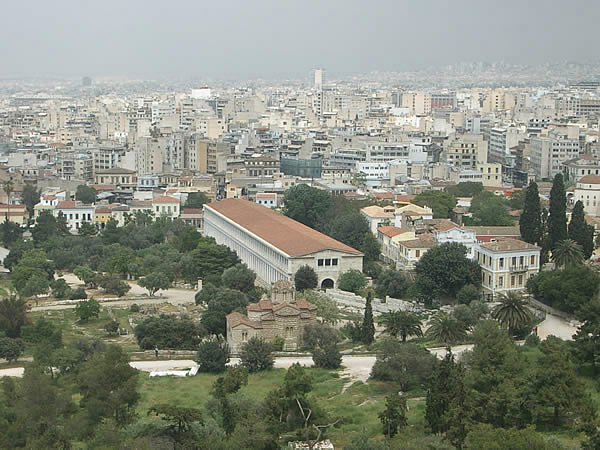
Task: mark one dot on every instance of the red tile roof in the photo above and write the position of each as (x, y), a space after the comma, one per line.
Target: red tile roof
(590, 179)
(66, 204)
(391, 231)
(235, 318)
(165, 199)
(291, 237)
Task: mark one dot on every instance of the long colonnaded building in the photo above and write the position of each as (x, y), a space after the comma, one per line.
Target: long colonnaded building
(275, 246)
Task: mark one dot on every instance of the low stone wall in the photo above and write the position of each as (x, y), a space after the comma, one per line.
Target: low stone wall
(550, 310)
(355, 303)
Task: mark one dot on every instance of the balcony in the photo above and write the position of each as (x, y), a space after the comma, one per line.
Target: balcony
(518, 268)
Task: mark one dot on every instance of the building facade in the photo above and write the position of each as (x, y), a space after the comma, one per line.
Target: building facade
(275, 246)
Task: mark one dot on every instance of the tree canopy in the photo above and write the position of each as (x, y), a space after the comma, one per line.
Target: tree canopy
(489, 209)
(557, 222)
(306, 204)
(530, 222)
(444, 270)
(442, 203)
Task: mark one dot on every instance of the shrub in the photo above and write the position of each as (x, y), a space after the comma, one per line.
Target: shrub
(134, 308)
(256, 355)
(168, 332)
(305, 278)
(353, 331)
(88, 309)
(111, 327)
(77, 294)
(213, 355)
(60, 288)
(408, 364)
(278, 343)
(352, 281)
(532, 340)
(327, 357)
(11, 349)
(114, 285)
(318, 335)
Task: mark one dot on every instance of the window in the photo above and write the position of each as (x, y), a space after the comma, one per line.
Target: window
(501, 262)
(244, 336)
(320, 263)
(520, 280)
(328, 262)
(512, 281)
(532, 260)
(521, 260)
(417, 253)
(289, 332)
(514, 261)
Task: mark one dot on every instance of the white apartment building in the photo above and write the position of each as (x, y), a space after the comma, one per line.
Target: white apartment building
(376, 173)
(465, 150)
(150, 154)
(166, 206)
(275, 246)
(268, 199)
(506, 265)
(455, 233)
(587, 190)
(75, 213)
(501, 141)
(548, 153)
(378, 216)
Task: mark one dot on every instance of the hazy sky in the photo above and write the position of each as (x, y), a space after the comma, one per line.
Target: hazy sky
(268, 38)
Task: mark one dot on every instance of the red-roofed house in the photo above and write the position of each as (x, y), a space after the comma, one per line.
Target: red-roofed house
(165, 206)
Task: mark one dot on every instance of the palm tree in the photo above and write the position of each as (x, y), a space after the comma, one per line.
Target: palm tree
(401, 323)
(8, 188)
(446, 328)
(567, 253)
(512, 312)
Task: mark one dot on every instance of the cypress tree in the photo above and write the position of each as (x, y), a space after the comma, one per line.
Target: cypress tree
(558, 211)
(530, 223)
(581, 232)
(368, 327)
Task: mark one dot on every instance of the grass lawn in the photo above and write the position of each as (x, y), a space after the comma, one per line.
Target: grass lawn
(359, 405)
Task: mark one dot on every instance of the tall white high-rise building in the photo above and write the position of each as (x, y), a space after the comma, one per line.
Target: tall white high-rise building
(319, 79)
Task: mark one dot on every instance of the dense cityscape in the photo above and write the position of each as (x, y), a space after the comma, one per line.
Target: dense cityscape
(321, 252)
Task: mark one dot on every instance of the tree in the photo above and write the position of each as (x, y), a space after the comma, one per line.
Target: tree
(444, 270)
(111, 327)
(87, 309)
(305, 278)
(306, 204)
(239, 277)
(213, 355)
(393, 416)
(557, 222)
(569, 290)
(318, 334)
(393, 283)
(440, 202)
(13, 316)
(87, 229)
(517, 199)
(327, 357)
(256, 355)
(403, 323)
(371, 248)
(30, 197)
(10, 233)
(181, 419)
(113, 285)
(352, 229)
(196, 200)
(446, 328)
(567, 253)
(409, 365)
(512, 312)
(45, 227)
(555, 384)
(60, 288)
(465, 189)
(166, 332)
(108, 385)
(219, 302)
(581, 232)
(489, 209)
(488, 437)
(11, 348)
(352, 281)
(368, 327)
(445, 392)
(530, 222)
(154, 281)
(85, 194)
(467, 294)
(87, 275)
